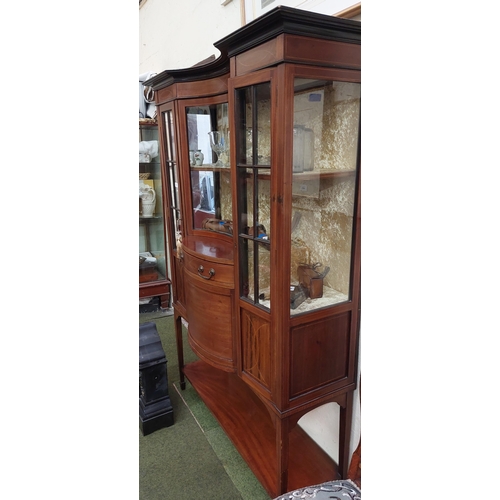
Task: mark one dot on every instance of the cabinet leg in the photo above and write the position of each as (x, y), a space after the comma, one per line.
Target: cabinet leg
(282, 450)
(164, 300)
(180, 347)
(345, 435)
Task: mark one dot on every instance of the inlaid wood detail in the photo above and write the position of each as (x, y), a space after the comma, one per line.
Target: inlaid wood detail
(256, 339)
(323, 52)
(166, 94)
(259, 57)
(204, 87)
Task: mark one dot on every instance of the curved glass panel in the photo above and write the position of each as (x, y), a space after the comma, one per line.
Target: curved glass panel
(208, 138)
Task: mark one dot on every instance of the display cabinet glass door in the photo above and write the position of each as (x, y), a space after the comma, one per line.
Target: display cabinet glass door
(253, 164)
(172, 174)
(152, 258)
(208, 142)
(325, 163)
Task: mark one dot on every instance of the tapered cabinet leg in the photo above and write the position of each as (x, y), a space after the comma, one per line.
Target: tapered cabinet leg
(345, 435)
(282, 449)
(180, 348)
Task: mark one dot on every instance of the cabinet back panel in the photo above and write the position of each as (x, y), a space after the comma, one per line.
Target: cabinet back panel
(319, 353)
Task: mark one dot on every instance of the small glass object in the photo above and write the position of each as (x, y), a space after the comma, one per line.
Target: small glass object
(308, 150)
(220, 146)
(298, 148)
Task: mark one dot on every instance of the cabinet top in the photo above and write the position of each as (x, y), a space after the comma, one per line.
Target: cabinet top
(209, 247)
(277, 21)
(292, 21)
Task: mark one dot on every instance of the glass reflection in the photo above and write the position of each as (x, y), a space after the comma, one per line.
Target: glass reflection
(208, 139)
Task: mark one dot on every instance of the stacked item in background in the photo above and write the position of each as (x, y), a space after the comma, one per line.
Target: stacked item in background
(147, 267)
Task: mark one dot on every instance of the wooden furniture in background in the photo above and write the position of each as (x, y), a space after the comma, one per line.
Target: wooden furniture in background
(153, 282)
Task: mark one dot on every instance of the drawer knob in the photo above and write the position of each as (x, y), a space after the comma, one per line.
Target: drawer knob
(210, 273)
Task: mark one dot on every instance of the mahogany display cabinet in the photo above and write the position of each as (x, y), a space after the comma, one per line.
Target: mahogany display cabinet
(265, 219)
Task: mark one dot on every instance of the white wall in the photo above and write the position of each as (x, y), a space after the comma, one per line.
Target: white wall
(177, 34)
(253, 8)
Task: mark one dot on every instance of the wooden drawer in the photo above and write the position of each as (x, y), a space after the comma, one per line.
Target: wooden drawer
(223, 273)
(154, 288)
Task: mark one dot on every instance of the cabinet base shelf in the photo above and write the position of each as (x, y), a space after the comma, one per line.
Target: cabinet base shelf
(248, 424)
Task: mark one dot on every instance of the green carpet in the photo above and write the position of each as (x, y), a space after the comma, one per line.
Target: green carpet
(193, 458)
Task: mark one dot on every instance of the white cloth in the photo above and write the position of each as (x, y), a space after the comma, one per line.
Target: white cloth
(147, 107)
(148, 256)
(147, 151)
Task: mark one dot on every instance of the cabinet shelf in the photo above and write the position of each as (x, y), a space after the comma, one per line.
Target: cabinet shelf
(324, 174)
(155, 218)
(160, 279)
(308, 176)
(248, 424)
(211, 168)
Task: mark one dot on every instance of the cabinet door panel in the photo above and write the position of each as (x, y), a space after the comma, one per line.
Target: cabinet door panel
(319, 353)
(256, 347)
(210, 322)
(326, 116)
(179, 290)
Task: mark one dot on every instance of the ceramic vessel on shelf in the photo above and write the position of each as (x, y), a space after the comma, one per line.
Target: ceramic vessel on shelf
(148, 199)
(198, 158)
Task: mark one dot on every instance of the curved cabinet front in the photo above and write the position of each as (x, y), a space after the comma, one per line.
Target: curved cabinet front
(210, 301)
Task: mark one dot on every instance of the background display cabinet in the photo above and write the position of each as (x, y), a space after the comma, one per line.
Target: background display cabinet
(154, 284)
(268, 244)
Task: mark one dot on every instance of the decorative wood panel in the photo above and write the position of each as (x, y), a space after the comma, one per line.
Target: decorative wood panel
(319, 353)
(204, 87)
(256, 347)
(166, 94)
(322, 52)
(178, 279)
(210, 326)
(259, 57)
